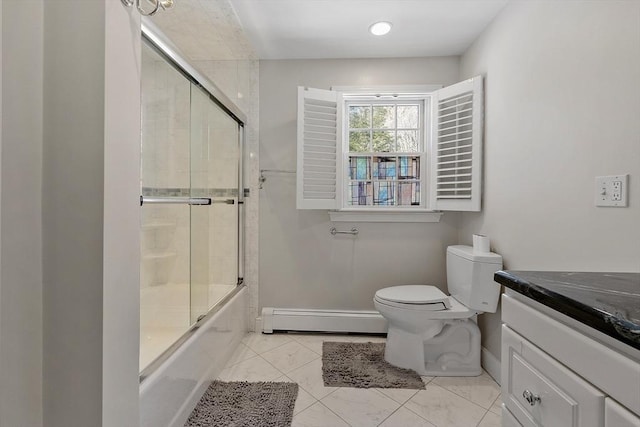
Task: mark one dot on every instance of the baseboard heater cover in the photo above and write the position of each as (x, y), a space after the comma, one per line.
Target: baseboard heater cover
(291, 319)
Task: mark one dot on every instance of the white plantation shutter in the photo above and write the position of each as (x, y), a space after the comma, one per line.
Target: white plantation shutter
(456, 147)
(319, 136)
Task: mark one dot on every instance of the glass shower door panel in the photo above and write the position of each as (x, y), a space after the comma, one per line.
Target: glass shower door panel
(199, 214)
(223, 180)
(165, 251)
(214, 233)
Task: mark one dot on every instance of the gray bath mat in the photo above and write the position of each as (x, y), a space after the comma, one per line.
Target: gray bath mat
(243, 404)
(362, 365)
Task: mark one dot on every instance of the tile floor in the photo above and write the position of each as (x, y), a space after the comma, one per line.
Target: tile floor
(446, 401)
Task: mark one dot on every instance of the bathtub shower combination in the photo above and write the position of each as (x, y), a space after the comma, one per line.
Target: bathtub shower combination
(191, 299)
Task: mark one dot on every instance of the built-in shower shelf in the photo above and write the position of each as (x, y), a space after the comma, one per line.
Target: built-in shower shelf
(157, 236)
(157, 268)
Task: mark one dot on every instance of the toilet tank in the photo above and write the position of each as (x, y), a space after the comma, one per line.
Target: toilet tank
(470, 277)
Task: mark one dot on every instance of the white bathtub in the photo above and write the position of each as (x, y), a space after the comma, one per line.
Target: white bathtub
(169, 394)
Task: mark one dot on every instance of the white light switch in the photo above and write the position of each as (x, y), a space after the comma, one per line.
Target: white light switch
(612, 190)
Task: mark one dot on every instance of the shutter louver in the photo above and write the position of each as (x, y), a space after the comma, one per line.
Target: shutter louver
(456, 154)
(318, 141)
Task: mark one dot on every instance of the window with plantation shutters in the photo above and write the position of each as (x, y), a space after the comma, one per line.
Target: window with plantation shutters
(390, 149)
(318, 145)
(456, 147)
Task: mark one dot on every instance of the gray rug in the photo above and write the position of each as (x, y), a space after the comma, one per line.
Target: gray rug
(236, 404)
(362, 365)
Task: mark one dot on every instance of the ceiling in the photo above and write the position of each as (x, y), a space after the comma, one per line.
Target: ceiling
(287, 29)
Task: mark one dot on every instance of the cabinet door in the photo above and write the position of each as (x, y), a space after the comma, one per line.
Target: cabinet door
(615, 415)
(539, 391)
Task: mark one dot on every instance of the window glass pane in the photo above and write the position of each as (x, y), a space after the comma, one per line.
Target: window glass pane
(359, 116)
(383, 141)
(359, 168)
(384, 168)
(384, 117)
(377, 175)
(409, 193)
(409, 167)
(359, 140)
(384, 193)
(360, 193)
(408, 141)
(408, 116)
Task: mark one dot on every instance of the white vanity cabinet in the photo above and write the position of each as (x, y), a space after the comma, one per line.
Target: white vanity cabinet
(555, 375)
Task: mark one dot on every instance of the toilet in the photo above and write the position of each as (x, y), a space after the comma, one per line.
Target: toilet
(433, 333)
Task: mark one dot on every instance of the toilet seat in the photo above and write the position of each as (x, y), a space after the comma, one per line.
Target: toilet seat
(417, 297)
(426, 299)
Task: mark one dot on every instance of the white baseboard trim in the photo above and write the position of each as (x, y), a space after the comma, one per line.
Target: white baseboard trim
(491, 364)
(292, 319)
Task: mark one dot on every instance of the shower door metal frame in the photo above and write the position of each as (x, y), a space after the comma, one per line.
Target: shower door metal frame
(152, 35)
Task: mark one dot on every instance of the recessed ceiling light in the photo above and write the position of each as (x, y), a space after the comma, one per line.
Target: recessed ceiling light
(380, 28)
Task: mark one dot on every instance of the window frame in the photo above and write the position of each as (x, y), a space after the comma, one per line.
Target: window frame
(423, 102)
(423, 95)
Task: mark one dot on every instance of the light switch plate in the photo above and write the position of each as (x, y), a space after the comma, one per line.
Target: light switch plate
(612, 190)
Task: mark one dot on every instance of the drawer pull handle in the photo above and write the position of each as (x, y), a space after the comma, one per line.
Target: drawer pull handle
(530, 397)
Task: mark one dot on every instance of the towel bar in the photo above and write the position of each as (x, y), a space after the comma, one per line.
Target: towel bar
(353, 231)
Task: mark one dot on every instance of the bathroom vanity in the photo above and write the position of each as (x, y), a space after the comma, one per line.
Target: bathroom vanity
(570, 349)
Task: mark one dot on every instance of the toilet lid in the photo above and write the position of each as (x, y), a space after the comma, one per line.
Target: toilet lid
(414, 294)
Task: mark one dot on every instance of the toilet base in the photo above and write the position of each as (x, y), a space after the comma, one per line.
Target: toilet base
(453, 350)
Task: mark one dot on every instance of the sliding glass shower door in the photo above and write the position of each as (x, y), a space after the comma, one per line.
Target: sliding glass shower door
(190, 183)
(214, 231)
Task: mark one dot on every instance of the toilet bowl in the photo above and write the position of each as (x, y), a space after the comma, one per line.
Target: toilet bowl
(433, 333)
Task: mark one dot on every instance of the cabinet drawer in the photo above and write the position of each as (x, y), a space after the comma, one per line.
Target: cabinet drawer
(539, 391)
(615, 415)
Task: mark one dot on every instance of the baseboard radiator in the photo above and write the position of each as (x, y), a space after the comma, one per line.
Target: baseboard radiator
(292, 319)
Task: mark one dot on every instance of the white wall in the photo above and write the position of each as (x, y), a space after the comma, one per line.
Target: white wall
(1, 337)
(121, 217)
(21, 245)
(301, 264)
(91, 213)
(562, 106)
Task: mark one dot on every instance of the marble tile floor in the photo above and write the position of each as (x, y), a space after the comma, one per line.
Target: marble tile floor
(446, 401)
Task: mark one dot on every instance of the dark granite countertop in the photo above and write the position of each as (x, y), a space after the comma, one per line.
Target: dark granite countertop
(607, 302)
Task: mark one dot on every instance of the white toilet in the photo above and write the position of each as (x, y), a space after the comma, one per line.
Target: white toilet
(435, 334)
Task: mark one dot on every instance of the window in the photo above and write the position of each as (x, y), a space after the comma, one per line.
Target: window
(385, 151)
(393, 151)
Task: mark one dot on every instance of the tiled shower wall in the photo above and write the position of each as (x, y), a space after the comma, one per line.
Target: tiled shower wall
(210, 36)
(166, 164)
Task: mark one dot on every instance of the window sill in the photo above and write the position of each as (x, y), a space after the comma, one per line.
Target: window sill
(384, 216)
